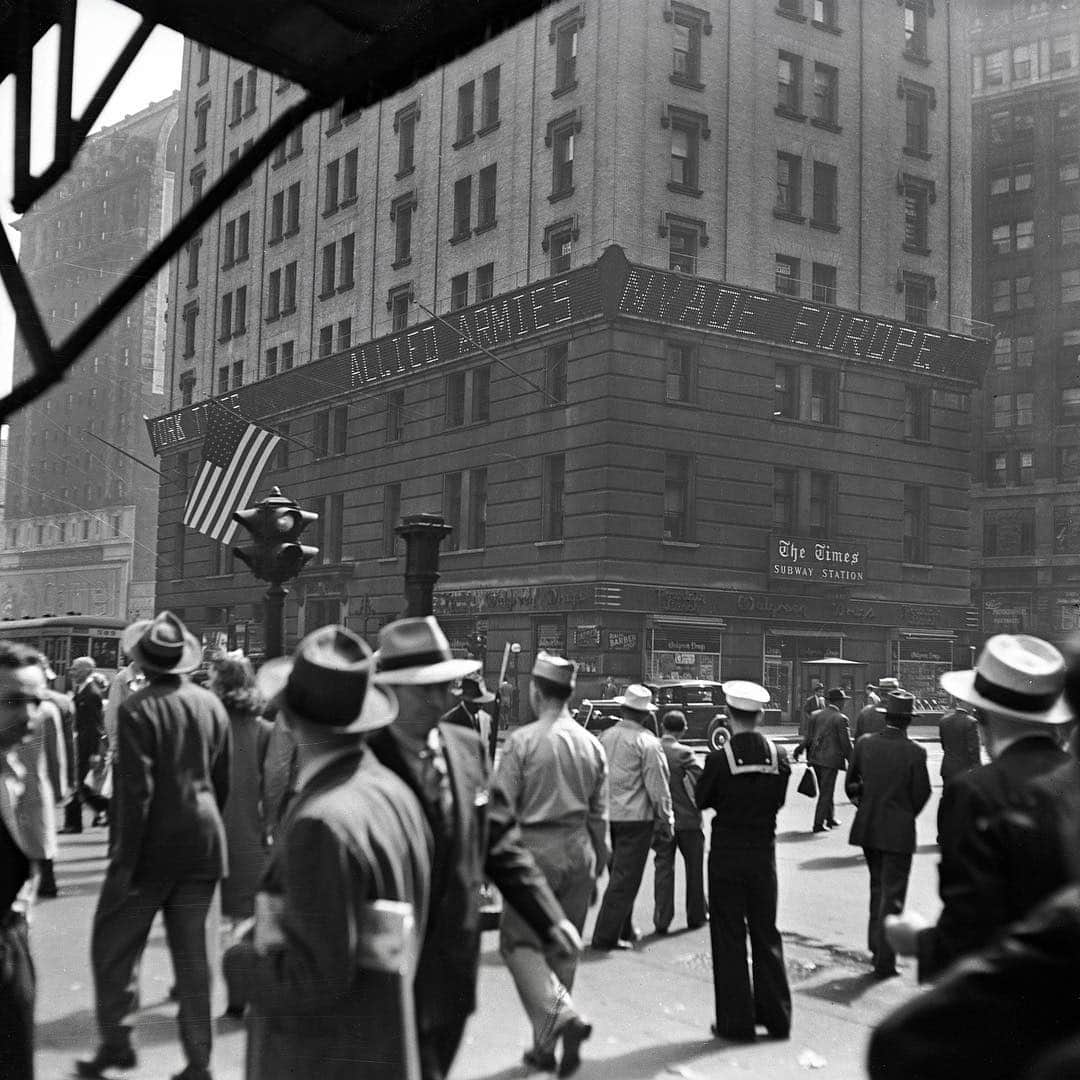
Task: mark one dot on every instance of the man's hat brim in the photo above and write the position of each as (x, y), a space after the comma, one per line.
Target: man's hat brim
(131, 643)
(961, 684)
(444, 671)
(380, 707)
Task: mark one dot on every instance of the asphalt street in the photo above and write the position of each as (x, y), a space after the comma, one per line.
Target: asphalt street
(651, 1009)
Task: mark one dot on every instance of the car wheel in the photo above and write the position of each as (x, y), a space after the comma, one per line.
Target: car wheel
(718, 735)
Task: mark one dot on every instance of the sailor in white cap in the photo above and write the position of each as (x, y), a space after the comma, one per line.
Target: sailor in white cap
(998, 860)
(554, 774)
(745, 782)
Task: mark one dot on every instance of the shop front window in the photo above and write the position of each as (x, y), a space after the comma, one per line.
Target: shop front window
(919, 663)
(680, 655)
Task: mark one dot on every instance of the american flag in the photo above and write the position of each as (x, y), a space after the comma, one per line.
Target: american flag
(234, 456)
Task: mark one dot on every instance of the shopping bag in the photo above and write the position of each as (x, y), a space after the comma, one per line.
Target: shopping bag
(808, 784)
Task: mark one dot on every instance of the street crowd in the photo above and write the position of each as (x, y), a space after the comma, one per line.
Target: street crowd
(347, 808)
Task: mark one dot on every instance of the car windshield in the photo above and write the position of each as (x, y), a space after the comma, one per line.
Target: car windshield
(698, 695)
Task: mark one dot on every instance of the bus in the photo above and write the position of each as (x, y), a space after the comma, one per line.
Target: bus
(63, 637)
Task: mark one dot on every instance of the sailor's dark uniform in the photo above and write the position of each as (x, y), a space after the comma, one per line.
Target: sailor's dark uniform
(746, 783)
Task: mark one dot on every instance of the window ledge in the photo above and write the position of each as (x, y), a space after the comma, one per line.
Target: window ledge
(235, 121)
(462, 551)
(325, 294)
(224, 337)
(826, 125)
(288, 310)
(199, 147)
(330, 210)
(918, 440)
(241, 259)
(464, 141)
(564, 89)
(397, 264)
(276, 163)
(794, 16)
(228, 265)
(684, 81)
(829, 28)
(291, 232)
(787, 215)
(481, 229)
(684, 189)
(686, 545)
(457, 238)
(916, 58)
(917, 566)
(488, 128)
(295, 153)
(247, 113)
(789, 114)
(405, 172)
(681, 403)
(825, 226)
(346, 202)
(558, 196)
(914, 249)
(387, 559)
(273, 318)
(333, 129)
(272, 241)
(547, 543)
(345, 286)
(922, 155)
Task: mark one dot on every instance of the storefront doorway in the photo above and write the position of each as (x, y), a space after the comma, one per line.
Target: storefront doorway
(789, 669)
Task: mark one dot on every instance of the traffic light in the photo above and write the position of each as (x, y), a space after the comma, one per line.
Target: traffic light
(275, 524)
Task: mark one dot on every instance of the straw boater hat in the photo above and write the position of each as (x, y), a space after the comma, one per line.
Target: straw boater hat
(555, 670)
(328, 683)
(744, 695)
(162, 645)
(1017, 676)
(887, 683)
(415, 652)
(637, 698)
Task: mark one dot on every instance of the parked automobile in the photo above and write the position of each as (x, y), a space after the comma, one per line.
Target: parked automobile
(597, 716)
(703, 703)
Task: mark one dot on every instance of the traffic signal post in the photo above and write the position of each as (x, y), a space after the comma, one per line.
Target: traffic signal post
(275, 555)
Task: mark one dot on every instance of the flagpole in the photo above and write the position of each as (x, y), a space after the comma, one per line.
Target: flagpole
(120, 450)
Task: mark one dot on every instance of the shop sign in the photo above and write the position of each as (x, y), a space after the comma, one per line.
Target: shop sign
(926, 652)
(1068, 612)
(586, 637)
(670, 297)
(684, 658)
(522, 598)
(834, 562)
(551, 637)
(622, 641)
(501, 321)
(686, 645)
(1006, 613)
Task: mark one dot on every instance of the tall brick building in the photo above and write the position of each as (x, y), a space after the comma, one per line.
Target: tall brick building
(1026, 248)
(499, 295)
(80, 527)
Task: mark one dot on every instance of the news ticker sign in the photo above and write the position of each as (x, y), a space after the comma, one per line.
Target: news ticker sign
(611, 285)
(833, 562)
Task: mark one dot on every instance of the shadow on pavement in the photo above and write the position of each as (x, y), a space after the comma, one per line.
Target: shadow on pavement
(831, 862)
(927, 849)
(76, 1032)
(843, 991)
(796, 836)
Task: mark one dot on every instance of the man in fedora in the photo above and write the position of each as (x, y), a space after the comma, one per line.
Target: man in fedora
(354, 837)
(889, 784)
(89, 737)
(998, 857)
(745, 782)
(470, 711)
(871, 719)
(167, 850)
(827, 742)
(640, 809)
(554, 774)
(475, 835)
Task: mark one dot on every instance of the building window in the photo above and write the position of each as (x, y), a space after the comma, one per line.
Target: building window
(326, 340)
(238, 374)
(561, 140)
(915, 14)
(223, 379)
(477, 508)
(292, 211)
(405, 126)
(786, 395)
(918, 101)
(391, 515)
(824, 283)
(553, 496)
(347, 250)
(203, 52)
(187, 387)
(194, 244)
(824, 195)
(339, 429)
(237, 102)
(686, 47)
(564, 36)
(1025, 404)
(277, 217)
(997, 469)
(226, 317)
(485, 203)
(1009, 532)
(680, 363)
(824, 397)
(271, 361)
(789, 184)
(825, 13)
(918, 294)
(916, 413)
(789, 83)
(348, 177)
(398, 304)
(683, 248)
(678, 476)
(455, 399)
(191, 315)
(462, 209)
(1070, 403)
(559, 244)
(787, 275)
(915, 524)
(459, 291)
(295, 142)
(401, 213)
(481, 393)
(792, 9)
(1026, 467)
(1070, 287)
(331, 179)
(1067, 528)
(1069, 170)
(785, 499)
(1070, 229)
(288, 297)
(320, 439)
(917, 195)
(451, 509)
(273, 295)
(822, 504)
(251, 82)
(489, 104)
(344, 334)
(485, 282)
(395, 415)
(240, 311)
(202, 114)
(826, 95)
(1067, 117)
(329, 270)
(555, 372)
(466, 109)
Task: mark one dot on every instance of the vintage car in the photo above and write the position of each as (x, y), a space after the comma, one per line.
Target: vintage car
(703, 703)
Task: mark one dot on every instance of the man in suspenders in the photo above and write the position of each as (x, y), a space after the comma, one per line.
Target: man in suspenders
(745, 782)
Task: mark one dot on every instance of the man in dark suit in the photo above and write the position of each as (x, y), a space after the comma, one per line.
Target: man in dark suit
(827, 742)
(958, 732)
(315, 972)
(889, 784)
(89, 726)
(447, 768)
(815, 702)
(999, 857)
(167, 850)
(871, 719)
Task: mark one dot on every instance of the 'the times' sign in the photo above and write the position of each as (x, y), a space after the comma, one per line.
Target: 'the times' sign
(833, 562)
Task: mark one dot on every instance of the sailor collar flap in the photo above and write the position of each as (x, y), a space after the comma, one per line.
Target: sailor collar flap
(738, 767)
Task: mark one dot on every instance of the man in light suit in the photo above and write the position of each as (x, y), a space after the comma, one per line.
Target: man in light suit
(317, 974)
(167, 849)
(889, 784)
(827, 742)
(475, 835)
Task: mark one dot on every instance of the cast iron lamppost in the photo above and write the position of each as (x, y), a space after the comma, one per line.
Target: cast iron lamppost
(276, 555)
(422, 533)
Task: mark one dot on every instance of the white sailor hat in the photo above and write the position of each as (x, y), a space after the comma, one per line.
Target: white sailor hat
(745, 696)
